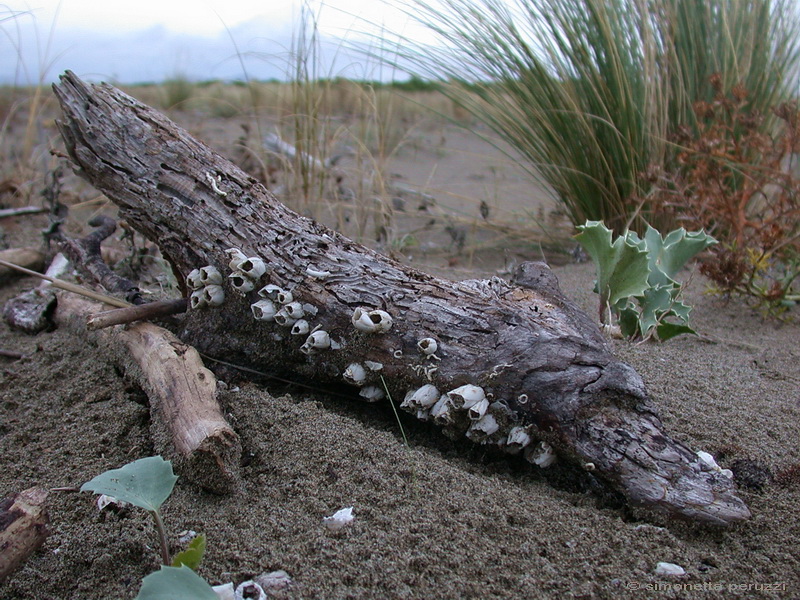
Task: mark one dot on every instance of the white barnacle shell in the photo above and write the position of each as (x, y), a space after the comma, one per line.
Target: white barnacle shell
(301, 327)
(210, 275)
(478, 410)
(518, 439)
(481, 429)
(193, 280)
(282, 318)
(424, 397)
(372, 393)
(285, 297)
(198, 299)
(373, 321)
(428, 346)
(270, 291)
(252, 267)
(249, 590)
(236, 256)
(214, 295)
(441, 411)
(241, 283)
(224, 591)
(264, 310)
(355, 374)
(319, 340)
(293, 309)
(466, 396)
(541, 455)
(339, 519)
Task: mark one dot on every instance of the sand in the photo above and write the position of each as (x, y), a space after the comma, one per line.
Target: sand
(434, 519)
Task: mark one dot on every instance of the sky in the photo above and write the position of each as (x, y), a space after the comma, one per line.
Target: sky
(127, 41)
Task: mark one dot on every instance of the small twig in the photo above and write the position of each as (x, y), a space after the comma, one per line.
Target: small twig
(69, 287)
(23, 210)
(151, 310)
(11, 354)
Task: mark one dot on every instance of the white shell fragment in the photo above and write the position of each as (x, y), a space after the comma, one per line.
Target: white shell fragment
(103, 500)
(319, 340)
(355, 374)
(372, 365)
(293, 309)
(197, 299)
(210, 275)
(301, 327)
(670, 569)
(428, 346)
(264, 310)
(466, 396)
(477, 410)
(481, 429)
(339, 519)
(193, 280)
(224, 591)
(249, 590)
(518, 439)
(424, 397)
(236, 256)
(270, 291)
(241, 283)
(282, 318)
(542, 455)
(252, 267)
(373, 321)
(274, 581)
(711, 463)
(214, 295)
(372, 393)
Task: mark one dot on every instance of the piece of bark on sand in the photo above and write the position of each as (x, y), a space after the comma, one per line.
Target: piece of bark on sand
(23, 528)
(541, 364)
(187, 421)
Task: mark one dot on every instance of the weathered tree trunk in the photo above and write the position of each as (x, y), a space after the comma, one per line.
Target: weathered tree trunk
(542, 365)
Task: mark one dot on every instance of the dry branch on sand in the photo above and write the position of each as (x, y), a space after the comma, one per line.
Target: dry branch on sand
(23, 528)
(505, 364)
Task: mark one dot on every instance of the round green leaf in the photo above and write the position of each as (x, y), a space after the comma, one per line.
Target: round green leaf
(145, 483)
(176, 583)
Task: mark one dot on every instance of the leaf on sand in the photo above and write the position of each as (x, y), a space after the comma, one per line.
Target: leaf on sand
(622, 266)
(145, 483)
(175, 583)
(193, 554)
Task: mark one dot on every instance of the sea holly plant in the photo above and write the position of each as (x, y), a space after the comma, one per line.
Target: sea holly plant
(147, 483)
(636, 278)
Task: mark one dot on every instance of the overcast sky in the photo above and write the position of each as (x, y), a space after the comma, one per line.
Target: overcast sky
(129, 41)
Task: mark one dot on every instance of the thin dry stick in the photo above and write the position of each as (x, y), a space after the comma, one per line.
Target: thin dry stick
(69, 287)
(150, 310)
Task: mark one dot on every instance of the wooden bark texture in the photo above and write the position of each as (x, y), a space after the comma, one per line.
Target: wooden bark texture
(23, 528)
(542, 363)
(188, 423)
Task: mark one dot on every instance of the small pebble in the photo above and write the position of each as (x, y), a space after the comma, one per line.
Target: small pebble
(671, 569)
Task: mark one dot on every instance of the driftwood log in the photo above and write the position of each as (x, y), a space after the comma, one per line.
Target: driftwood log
(188, 423)
(536, 368)
(23, 528)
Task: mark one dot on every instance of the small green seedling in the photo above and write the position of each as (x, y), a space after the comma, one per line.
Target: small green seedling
(636, 278)
(145, 483)
(175, 583)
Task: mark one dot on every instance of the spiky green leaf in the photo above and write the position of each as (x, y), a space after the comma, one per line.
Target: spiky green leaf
(622, 266)
(193, 555)
(669, 254)
(145, 483)
(175, 583)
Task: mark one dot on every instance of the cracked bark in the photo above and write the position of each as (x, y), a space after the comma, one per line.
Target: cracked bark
(541, 360)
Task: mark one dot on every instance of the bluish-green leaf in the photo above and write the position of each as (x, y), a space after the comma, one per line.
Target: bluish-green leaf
(175, 583)
(668, 255)
(193, 554)
(622, 266)
(668, 330)
(145, 483)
